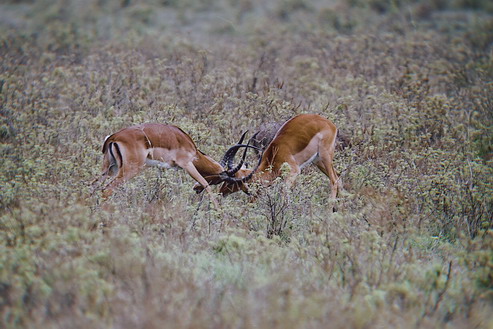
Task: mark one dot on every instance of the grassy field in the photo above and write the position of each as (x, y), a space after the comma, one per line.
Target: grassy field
(409, 82)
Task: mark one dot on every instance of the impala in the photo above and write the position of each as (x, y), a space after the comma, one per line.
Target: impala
(304, 139)
(267, 131)
(130, 150)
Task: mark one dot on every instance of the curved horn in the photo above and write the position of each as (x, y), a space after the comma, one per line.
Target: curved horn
(232, 151)
(233, 171)
(225, 177)
(230, 155)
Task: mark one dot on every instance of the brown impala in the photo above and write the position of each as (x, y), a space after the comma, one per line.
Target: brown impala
(128, 151)
(304, 139)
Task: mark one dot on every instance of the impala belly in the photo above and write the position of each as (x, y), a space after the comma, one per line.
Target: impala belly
(159, 164)
(165, 158)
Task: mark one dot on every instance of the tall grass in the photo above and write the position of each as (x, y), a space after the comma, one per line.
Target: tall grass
(409, 83)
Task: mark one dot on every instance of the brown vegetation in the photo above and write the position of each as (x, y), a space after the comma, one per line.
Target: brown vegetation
(409, 83)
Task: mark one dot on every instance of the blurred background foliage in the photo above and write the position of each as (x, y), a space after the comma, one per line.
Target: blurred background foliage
(408, 82)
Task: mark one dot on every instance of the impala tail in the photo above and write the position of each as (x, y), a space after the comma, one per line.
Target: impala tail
(112, 162)
(114, 159)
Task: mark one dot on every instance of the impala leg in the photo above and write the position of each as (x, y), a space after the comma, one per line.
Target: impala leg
(192, 171)
(326, 153)
(295, 171)
(330, 172)
(124, 174)
(96, 183)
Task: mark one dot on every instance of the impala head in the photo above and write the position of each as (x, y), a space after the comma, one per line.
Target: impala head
(235, 180)
(230, 172)
(234, 184)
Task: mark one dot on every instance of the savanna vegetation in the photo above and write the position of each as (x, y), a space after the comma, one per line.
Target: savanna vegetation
(409, 82)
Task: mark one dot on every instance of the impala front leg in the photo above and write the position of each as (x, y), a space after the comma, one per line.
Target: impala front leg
(192, 171)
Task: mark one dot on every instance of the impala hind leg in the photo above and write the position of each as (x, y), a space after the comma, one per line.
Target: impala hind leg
(328, 169)
(98, 182)
(326, 166)
(124, 174)
(110, 170)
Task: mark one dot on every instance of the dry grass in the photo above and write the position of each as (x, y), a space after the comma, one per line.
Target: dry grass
(409, 82)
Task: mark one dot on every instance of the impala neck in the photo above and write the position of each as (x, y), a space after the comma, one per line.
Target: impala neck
(207, 166)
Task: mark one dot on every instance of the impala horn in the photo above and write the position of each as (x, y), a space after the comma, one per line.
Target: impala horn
(229, 153)
(233, 180)
(233, 171)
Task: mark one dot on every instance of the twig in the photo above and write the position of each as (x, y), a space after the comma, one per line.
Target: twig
(441, 293)
(194, 218)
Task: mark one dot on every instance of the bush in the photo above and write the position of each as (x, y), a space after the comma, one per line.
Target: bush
(408, 83)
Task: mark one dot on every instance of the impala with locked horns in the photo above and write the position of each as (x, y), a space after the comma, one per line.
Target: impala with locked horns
(130, 150)
(300, 141)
